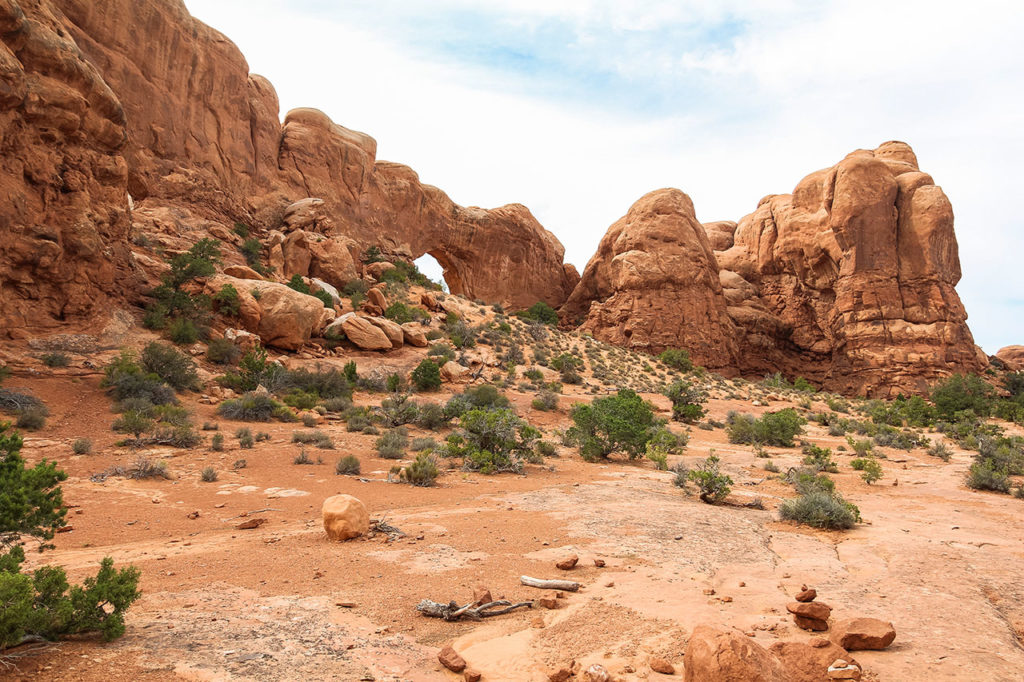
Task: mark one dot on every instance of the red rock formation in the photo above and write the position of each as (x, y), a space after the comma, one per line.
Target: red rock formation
(849, 281)
(654, 284)
(859, 266)
(63, 200)
(100, 99)
(1012, 357)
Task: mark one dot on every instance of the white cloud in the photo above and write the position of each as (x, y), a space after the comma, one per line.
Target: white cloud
(784, 90)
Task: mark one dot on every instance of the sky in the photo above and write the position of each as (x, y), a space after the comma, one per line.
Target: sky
(577, 108)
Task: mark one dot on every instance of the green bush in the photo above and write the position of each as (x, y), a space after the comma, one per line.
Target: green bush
(491, 441)
(423, 471)
(348, 466)
(227, 302)
(545, 402)
(245, 438)
(325, 298)
(985, 474)
(677, 359)
(43, 604)
(483, 396)
(687, 401)
(427, 376)
(208, 475)
(962, 392)
(820, 510)
(819, 458)
(172, 302)
(299, 284)
(183, 331)
(217, 442)
(773, 428)
(431, 416)
(223, 352)
(869, 467)
(399, 410)
(712, 484)
(173, 367)
(442, 351)
(251, 407)
(392, 444)
(803, 385)
(313, 437)
(619, 423)
(56, 359)
(540, 312)
(461, 334)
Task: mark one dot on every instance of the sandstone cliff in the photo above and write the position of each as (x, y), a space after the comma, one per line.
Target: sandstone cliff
(108, 103)
(849, 281)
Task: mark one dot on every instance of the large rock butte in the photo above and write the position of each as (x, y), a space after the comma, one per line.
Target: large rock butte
(848, 281)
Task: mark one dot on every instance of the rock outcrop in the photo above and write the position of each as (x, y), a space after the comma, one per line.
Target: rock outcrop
(849, 281)
(654, 284)
(1012, 357)
(98, 120)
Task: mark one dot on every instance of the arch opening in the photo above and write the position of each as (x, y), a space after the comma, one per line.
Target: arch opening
(432, 268)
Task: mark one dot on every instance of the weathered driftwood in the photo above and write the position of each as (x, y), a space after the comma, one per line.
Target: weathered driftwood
(452, 611)
(565, 585)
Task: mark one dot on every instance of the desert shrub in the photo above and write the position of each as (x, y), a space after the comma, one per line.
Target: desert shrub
(819, 458)
(776, 382)
(803, 385)
(217, 442)
(42, 604)
(324, 383)
(940, 450)
(251, 407)
(32, 418)
(423, 443)
(772, 428)
(300, 400)
(183, 331)
(245, 438)
(56, 359)
(461, 334)
(681, 474)
(401, 313)
(545, 402)
(348, 466)
(208, 475)
(491, 441)
(173, 367)
(442, 351)
(297, 283)
(902, 411)
(398, 410)
(426, 376)
(82, 446)
(807, 480)
(568, 366)
(303, 458)
(658, 456)
(534, 375)
(771, 467)
(254, 370)
(545, 448)
(395, 383)
(484, 397)
(962, 392)
(223, 352)
(669, 441)
(619, 423)
(540, 312)
(869, 467)
(687, 401)
(431, 416)
(125, 379)
(712, 484)
(677, 358)
(314, 437)
(392, 444)
(861, 448)
(821, 510)
(423, 471)
(984, 474)
(226, 301)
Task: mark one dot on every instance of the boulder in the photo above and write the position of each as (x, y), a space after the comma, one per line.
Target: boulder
(345, 517)
(376, 297)
(451, 659)
(316, 285)
(1012, 357)
(242, 272)
(728, 656)
(377, 270)
(859, 634)
(282, 317)
(393, 330)
(362, 333)
(810, 609)
(452, 372)
(303, 214)
(805, 662)
(660, 665)
(241, 338)
(414, 335)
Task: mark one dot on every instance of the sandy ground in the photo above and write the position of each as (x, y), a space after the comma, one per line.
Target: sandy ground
(941, 562)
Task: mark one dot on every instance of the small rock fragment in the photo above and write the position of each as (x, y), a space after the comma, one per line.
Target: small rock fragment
(568, 563)
(450, 659)
(660, 665)
(807, 595)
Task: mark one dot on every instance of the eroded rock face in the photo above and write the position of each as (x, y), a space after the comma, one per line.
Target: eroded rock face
(654, 284)
(91, 114)
(63, 180)
(849, 281)
(859, 266)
